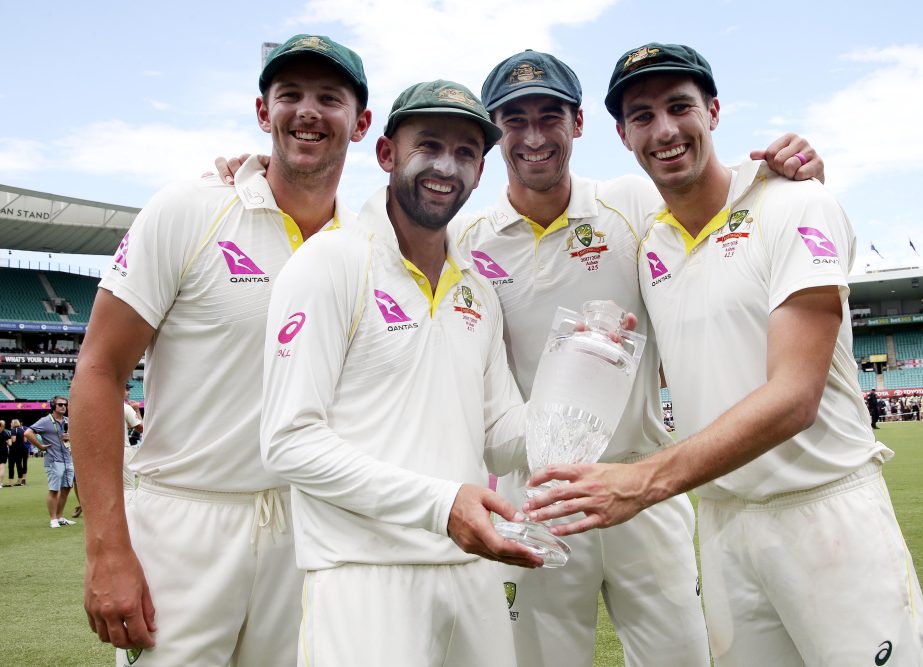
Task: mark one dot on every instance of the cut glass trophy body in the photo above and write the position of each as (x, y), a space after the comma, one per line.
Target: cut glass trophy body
(580, 390)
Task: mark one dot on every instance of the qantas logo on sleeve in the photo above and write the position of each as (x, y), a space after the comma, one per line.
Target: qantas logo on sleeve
(818, 245)
(488, 268)
(121, 255)
(242, 268)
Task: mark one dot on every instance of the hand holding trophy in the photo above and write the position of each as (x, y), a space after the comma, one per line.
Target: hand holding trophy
(581, 387)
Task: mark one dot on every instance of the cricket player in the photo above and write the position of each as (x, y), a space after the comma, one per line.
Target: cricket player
(744, 275)
(198, 568)
(387, 390)
(556, 239)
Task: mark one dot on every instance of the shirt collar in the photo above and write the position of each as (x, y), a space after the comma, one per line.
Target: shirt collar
(254, 192)
(582, 204)
(252, 187)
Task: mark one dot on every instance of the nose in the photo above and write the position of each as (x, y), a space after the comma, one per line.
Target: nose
(534, 137)
(664, 128)
(445, 164)
(307, 110)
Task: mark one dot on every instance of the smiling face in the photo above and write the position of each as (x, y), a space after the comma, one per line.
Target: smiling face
(312, 113)
(435, 162)
(668, 124)
(538, 137)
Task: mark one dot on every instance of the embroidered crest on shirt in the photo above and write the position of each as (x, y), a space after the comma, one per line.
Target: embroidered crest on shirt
(466, 304)
(730, 241)
(509, 587)
(659, 270)
(242, 268)
(589, 253)
(822, 248)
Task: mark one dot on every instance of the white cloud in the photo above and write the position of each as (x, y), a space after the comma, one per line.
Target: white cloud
(868, 128)
(427, 39)
(734, 107)
(19, 155)
(153, 154)
(160, 106)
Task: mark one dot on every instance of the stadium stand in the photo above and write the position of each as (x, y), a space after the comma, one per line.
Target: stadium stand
(908, 345)
(665, 395)
(39, 390)
(21, 297)
(907, 378)
(79, 291)
(867, 381)
(865, 345)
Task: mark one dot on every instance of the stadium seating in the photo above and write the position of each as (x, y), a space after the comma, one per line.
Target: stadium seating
(21, 297)
(39, 390)
(665, 395)
(907, 378)
(908, 345)
(867, 381)
(78, 290)
(865, 345)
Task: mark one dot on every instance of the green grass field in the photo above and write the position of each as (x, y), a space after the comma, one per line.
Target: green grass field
(41, 577)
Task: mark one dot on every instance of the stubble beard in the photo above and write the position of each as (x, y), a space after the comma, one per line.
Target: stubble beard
(405, 193)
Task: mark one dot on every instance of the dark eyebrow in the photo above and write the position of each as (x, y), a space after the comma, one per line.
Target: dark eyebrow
(672, 99)
(551, 107)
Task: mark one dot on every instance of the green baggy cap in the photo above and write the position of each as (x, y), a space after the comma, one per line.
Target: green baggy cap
(346, 60)
(442, 97)
(530, 73)
(657, 58)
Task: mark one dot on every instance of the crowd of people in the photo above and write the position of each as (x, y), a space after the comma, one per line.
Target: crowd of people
(348, 489)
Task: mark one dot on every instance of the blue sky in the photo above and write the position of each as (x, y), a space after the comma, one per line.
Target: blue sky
(109, 101)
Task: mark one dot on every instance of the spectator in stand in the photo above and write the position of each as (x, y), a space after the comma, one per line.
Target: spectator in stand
(872, 402)
(19, 452)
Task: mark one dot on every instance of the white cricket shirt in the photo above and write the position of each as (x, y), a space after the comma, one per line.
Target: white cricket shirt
(198, 265)
(383, 396)
(709, 300)
(589, 253)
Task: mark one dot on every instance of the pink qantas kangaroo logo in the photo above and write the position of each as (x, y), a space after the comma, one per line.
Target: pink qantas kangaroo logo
(121, 255)
(818, 244)
(487, 267)
(658, 268)
(389, 308)
(237, 260)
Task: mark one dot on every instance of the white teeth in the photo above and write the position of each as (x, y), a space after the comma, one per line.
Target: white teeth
(536, 157)
(438, 187)
(673, 152)
(308, 136)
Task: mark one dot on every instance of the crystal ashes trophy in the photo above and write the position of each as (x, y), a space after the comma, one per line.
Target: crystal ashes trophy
(579, 394)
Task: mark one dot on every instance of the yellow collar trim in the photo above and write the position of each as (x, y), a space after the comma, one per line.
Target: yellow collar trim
(690, 243)
(293, 232)
(540, 232)
(449, 277)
